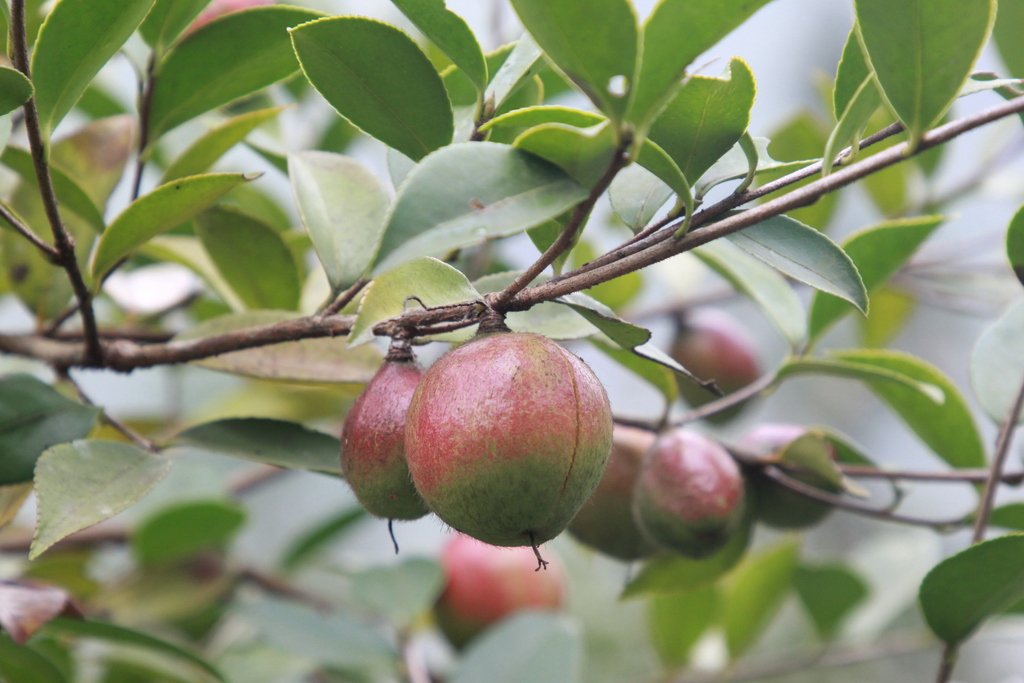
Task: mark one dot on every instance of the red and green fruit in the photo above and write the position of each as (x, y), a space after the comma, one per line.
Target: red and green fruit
(484, 584)
(689, 497)
(605, 522)
(507, 436)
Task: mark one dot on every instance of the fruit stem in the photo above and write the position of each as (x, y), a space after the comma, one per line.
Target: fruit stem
(391, 531)
(541, 562)
(400, 350)
(492, 321)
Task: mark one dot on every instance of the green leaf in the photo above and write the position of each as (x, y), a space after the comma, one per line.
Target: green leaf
(95, 156)
(734, 165)
(677, 621)
(762, 284)
(1010, 516)
(252, 257)
(69, 193)
(273, 442)
(997, 364)
(307, 360)
(705, 119)
(946, 427)
(803, 136)
(665, 56)
(1015, 244)
(878, 253)
(1005, 32)
(594, 42)
(167, 20)
(549, 318)
(528, 117)
(189, 252)
(180, 531)
(33, 418)
(74, 43)
(636, 195)
(828, 594)
(467, 193)
(583, 153)
(343, 206)
(967, 588)
(890, 310)
(850, 74)
(375, 76)
(213, 144)
(668, 574)
(860, 371)
(657, 375)
(804, 254)
(307, 544)
(433, 282)
(15, 90)
(21, 664)
(450, 33)
(537, 647)
(112, 633)
(522, 62)
(82, 483)
(812, 454)
(163, 209)
(234, 56)
(399, 593)
(755, 594)
(657, 161)
(943, 39)
(852, 122)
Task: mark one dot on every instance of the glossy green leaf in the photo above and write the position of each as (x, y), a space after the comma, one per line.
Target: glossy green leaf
(212, 145)
(95, 156)
(762, 284)
(850, 74)
(521, 62)
(468, 193)
(755, 592)
(943, 36)
(863, 372)
(112, 633)
(1015, 244)
(73, 44)
(583, 153)
(852, 122)
(236, 55)
(967, 588)
(594, 42)
(15, 90)
(812, 454)
(82, 483)
(252, 257)
(33, 418)
(307, 360)
(375, 76)
(399, 593)
(190, 252)
(803, 136)
(705, 119)
(180, 531)
(891, 308)
(432, 282)
(541, 114)
(636, 195)
(1006, 34)
(1010, 516)
(313, 540)
(997, 364)
(274, 442)
(163, 209)
(657, 161)
(69, 193)
(828, 593)
(20, 664)
(734, 165)
(946, 427)
(804, 254)
(343, 206)
(878, 252)
(167, 20)
(665, 56)
(667, 574)
(655, 374)
(677, 621)
(536, 647)
(450, 33)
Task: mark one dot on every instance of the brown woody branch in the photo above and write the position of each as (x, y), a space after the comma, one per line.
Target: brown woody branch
(48, 251)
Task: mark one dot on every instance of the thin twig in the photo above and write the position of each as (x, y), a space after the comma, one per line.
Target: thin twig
(762, 384)
(48, 251)
(136, 438)
(998, 464)
(145, 104)
(953, 477)
(63, 243)
(345, 298)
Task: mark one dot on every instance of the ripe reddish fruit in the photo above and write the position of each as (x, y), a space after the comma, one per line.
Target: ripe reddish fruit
(773, 503)
(713, 345)
(689, 497)
(373, 443)
(485, 584)
(605, 522)
(507, 436)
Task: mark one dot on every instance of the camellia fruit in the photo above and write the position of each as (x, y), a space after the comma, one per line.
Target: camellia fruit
(605, 522)
(689, 497)
(507, 436)
(485, 584)
(373, 440)
(714, 346)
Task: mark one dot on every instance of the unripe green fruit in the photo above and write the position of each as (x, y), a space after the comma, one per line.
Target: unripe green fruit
(373, 443)
(774, 504)
(713, 345)
(507, 436)
(484, 584)
(605, 522)
(689, 497)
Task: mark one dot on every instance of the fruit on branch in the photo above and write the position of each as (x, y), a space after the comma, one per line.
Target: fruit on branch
(773, 503)
(373, 441)
(507, 436)
(605, 522)
(484, 584)
(689, 497)
(712, 344)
